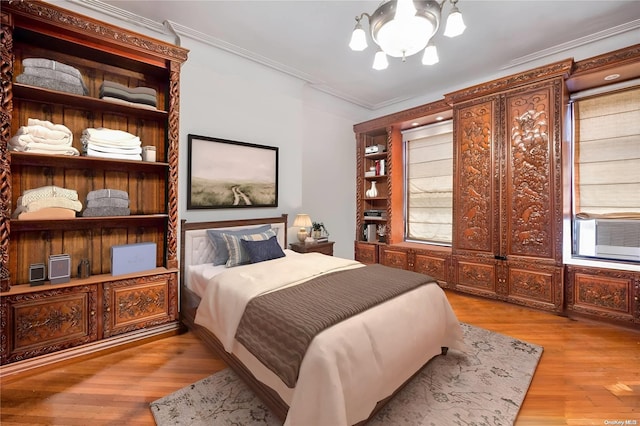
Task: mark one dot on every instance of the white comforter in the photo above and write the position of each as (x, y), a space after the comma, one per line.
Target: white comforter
(349, 367)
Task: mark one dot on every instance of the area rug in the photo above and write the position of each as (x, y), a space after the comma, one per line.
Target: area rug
(485, 386)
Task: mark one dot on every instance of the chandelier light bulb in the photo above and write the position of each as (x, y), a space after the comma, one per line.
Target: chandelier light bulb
(380, 61)
(405, 10)
(358, 39)
(455, 24)
(430, 56)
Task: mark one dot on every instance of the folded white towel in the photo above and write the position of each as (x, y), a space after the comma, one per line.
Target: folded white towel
(103, 133)
(48, 191)
(93, 153)
(36, 205)
(49, 125)
(26, 134)
(44, 148)
(116, 150)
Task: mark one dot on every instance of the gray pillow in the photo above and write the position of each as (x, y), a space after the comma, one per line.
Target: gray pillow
(220, 251)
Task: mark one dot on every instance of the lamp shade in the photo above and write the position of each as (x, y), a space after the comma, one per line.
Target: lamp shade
(358, 39)
(455, 23)
(302, 221)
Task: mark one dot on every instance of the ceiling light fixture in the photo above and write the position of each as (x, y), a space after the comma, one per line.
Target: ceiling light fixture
(403, 28)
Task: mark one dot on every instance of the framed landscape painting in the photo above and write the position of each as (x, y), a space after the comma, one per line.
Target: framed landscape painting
(229, 174)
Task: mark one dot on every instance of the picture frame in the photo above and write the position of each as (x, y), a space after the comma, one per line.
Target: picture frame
(224, 174)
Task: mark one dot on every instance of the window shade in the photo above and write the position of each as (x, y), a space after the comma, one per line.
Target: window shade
(607, 153)
(429, 175)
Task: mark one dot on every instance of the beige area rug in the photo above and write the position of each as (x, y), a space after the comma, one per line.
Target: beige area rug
(483, 387)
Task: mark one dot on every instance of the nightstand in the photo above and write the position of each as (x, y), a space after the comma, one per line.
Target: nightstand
(325, 247)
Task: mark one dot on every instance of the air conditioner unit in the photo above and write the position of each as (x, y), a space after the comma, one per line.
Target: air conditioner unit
(608, 238)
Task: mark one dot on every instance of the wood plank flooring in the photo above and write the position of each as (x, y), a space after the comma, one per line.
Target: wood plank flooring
(589, 374)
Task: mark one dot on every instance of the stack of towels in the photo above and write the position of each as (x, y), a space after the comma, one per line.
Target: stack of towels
(109, 143)
(47, 202)
(43, 137)
(52, 75)
(107, 202)
(144, 97)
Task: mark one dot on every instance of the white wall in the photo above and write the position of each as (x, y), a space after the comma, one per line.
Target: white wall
(226, 96)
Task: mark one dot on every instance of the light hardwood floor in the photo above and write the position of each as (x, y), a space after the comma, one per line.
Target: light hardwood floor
(589, 374)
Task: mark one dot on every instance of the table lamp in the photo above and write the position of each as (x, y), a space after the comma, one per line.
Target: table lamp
(303, 221)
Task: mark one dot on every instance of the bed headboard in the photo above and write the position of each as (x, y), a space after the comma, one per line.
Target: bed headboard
(196, 249)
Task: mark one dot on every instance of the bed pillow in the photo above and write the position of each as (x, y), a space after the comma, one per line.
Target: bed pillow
(237, 254)
(220, 252)
(259, 251)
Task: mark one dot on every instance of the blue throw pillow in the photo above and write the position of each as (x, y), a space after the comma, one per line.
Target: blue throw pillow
(220, 252)
(237, 254)
(259, 251)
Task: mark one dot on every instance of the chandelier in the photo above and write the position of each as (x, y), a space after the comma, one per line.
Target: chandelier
(403, 28)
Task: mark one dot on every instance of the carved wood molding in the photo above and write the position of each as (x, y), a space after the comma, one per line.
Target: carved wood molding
(607, 60)
(69, 21)
(6, 111)
(402, 116)
(556, 69)
(173, 141)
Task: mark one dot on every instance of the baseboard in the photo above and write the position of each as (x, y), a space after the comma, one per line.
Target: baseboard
(16, 370)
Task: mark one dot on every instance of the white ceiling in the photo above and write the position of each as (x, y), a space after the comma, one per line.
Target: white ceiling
(308, 39)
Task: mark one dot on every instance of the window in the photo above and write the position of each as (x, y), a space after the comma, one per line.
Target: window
(606, 174)
(429, 182)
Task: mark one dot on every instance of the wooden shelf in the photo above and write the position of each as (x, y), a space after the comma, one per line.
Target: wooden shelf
(376, 156)
(87, 222)
(83, 162)
(42, 95)
(93, 279)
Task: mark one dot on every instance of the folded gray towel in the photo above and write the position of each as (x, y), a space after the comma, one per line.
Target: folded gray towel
(106, 211)
(51, 64)
(107, 193)
(56, 75)
(49, 83)
(141, 89)
(107, 202)
(141, 98)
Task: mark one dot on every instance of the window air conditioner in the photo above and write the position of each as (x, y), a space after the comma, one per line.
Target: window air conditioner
(608, 238)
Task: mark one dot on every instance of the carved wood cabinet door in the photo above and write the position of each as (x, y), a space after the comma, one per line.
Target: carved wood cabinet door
(508, 198)
(39, 323)
(137, 303)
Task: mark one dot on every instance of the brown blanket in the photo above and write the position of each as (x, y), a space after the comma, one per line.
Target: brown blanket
(278, 327)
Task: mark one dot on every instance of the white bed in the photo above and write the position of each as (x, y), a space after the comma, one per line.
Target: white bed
(350, 367)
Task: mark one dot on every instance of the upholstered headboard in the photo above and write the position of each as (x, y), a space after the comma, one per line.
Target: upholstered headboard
(196, 248)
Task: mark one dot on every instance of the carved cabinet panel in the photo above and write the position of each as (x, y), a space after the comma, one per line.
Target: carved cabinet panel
(605, 294)
(535, 285)
(395, 257)
(475, 203)
(533, 184)
(43, 322)
(428, 262)
(138, 303)
(434, 264)
(476, 277)
(366, 253)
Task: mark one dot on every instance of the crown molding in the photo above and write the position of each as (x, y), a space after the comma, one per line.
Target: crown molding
(573, 44)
